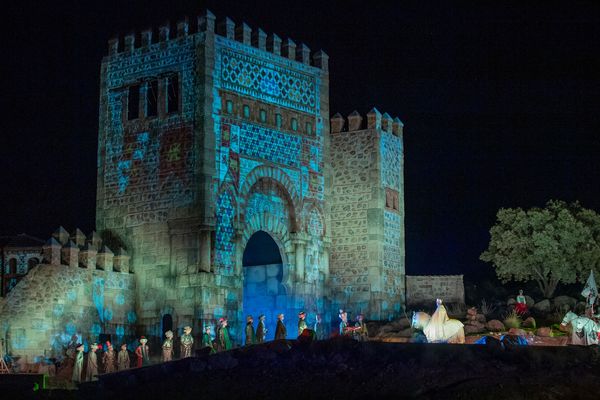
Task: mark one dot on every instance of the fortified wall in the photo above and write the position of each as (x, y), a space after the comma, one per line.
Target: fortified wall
(76, 290)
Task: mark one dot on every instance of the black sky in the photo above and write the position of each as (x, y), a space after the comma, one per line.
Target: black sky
(500, 104)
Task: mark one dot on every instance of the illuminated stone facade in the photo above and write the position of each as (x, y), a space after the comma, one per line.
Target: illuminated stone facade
(207, 136)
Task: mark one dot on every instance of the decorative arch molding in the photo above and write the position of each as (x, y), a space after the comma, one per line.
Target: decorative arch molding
(273, 173)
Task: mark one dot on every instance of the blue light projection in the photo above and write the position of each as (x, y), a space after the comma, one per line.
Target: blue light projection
(263, 80)
(225, 247)
(70, 328)
(120, 299)
(131, 317)
(95, 329)
(71, 295)
(98, 296)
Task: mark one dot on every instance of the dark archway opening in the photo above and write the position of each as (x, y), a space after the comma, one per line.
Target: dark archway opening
(263, 274)
(167, 323)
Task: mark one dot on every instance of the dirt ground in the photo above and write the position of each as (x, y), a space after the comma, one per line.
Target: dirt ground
(345, 369)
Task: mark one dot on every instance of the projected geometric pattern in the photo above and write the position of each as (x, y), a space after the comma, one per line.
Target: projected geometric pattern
(266, 81)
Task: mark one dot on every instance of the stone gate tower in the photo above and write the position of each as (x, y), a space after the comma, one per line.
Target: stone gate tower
(207, 136)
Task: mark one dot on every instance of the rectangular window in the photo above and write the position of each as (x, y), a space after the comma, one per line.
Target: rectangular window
(308, 128)
(152, 99)
(133, 102)
(294, 124)
(172, 94)
(246, 111)
(263, 116)
(278, 120)
(229, 107)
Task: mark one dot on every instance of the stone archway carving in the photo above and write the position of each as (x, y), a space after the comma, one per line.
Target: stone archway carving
(265, 172)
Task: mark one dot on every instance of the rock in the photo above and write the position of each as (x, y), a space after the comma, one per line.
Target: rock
(408, 332)
(529, 323)
(529, 300)
(480, 318)
(469, 329)
(517, 331)
(544, 331)
(560, 301)
(511, 302)
(495, 326)
(401, 323)
(543, 306)
(472, 311)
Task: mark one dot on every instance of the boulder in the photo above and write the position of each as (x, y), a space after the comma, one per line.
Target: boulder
(401, 323)
(529, 323)
(511, 302)
(560, 301)
(472, 311)
(480, 318)
(544, 331)
(516, 331)
(469, 329)
(529, 300)
(542, 306)
(495, 326)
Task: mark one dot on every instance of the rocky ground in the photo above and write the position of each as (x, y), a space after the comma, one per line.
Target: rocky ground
(345, 369)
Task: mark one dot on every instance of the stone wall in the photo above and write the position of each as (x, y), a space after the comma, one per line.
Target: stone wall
(53, 302)
(427, 288)
(367, 256)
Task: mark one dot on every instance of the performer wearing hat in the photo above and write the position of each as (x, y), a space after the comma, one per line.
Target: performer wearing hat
(78, 366)
(250, 336)
(123, 358)
(280, 331)
(142, 352)
(167, 347)
(109, 359)
(261, 329)
(224, 339)
(187, 342)
(92, 364)
(301, 322)
(207, 340)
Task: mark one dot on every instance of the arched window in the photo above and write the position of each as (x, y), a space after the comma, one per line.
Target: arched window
(12, 266)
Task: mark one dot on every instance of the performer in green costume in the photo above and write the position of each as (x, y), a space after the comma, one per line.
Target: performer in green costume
(207, 340)
(187, 342)
(301, 322)
(224, 340)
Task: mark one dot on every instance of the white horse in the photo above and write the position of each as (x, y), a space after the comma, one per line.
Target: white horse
(585, 330)
(438, 328)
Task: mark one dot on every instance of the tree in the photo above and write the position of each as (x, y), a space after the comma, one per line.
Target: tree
(556, 244)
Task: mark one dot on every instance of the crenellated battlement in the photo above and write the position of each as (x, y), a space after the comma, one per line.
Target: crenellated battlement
(78, 251)
(374, 119)
(227, 28)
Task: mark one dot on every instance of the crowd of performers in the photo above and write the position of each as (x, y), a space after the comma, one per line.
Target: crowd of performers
(113, 361)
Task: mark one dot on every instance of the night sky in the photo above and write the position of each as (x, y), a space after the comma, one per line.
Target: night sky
(500, 105)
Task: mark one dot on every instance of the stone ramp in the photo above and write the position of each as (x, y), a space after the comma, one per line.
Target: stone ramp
(341, 368)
